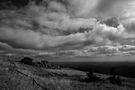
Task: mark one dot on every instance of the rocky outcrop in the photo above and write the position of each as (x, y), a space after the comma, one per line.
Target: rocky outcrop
(43, 64)
(27, 60)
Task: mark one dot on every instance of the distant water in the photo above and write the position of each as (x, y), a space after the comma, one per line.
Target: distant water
(120, 68)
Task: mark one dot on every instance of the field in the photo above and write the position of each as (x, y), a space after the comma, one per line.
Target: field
(18, 76)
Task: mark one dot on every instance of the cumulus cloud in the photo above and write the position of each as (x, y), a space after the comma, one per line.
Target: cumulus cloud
(4, 46)
(127, 17)
(129, 25)
(36, 40)
(57, 25)
(82, 8)
(57, 7)
(113, 49)
(97, 8)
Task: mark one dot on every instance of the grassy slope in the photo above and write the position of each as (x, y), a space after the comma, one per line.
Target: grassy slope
(16, 76)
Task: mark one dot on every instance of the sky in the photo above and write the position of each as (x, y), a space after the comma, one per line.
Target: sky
(68, 25)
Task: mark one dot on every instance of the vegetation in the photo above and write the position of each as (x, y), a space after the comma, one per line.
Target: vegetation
(25, 76)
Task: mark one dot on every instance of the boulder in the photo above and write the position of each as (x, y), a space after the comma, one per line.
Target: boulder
(27, 60)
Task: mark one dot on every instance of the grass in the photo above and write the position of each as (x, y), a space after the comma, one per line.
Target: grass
(24, 77)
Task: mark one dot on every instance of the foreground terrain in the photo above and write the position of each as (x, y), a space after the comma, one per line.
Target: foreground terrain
(45, 76)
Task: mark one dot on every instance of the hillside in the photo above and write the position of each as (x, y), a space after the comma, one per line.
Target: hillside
(22, 76)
